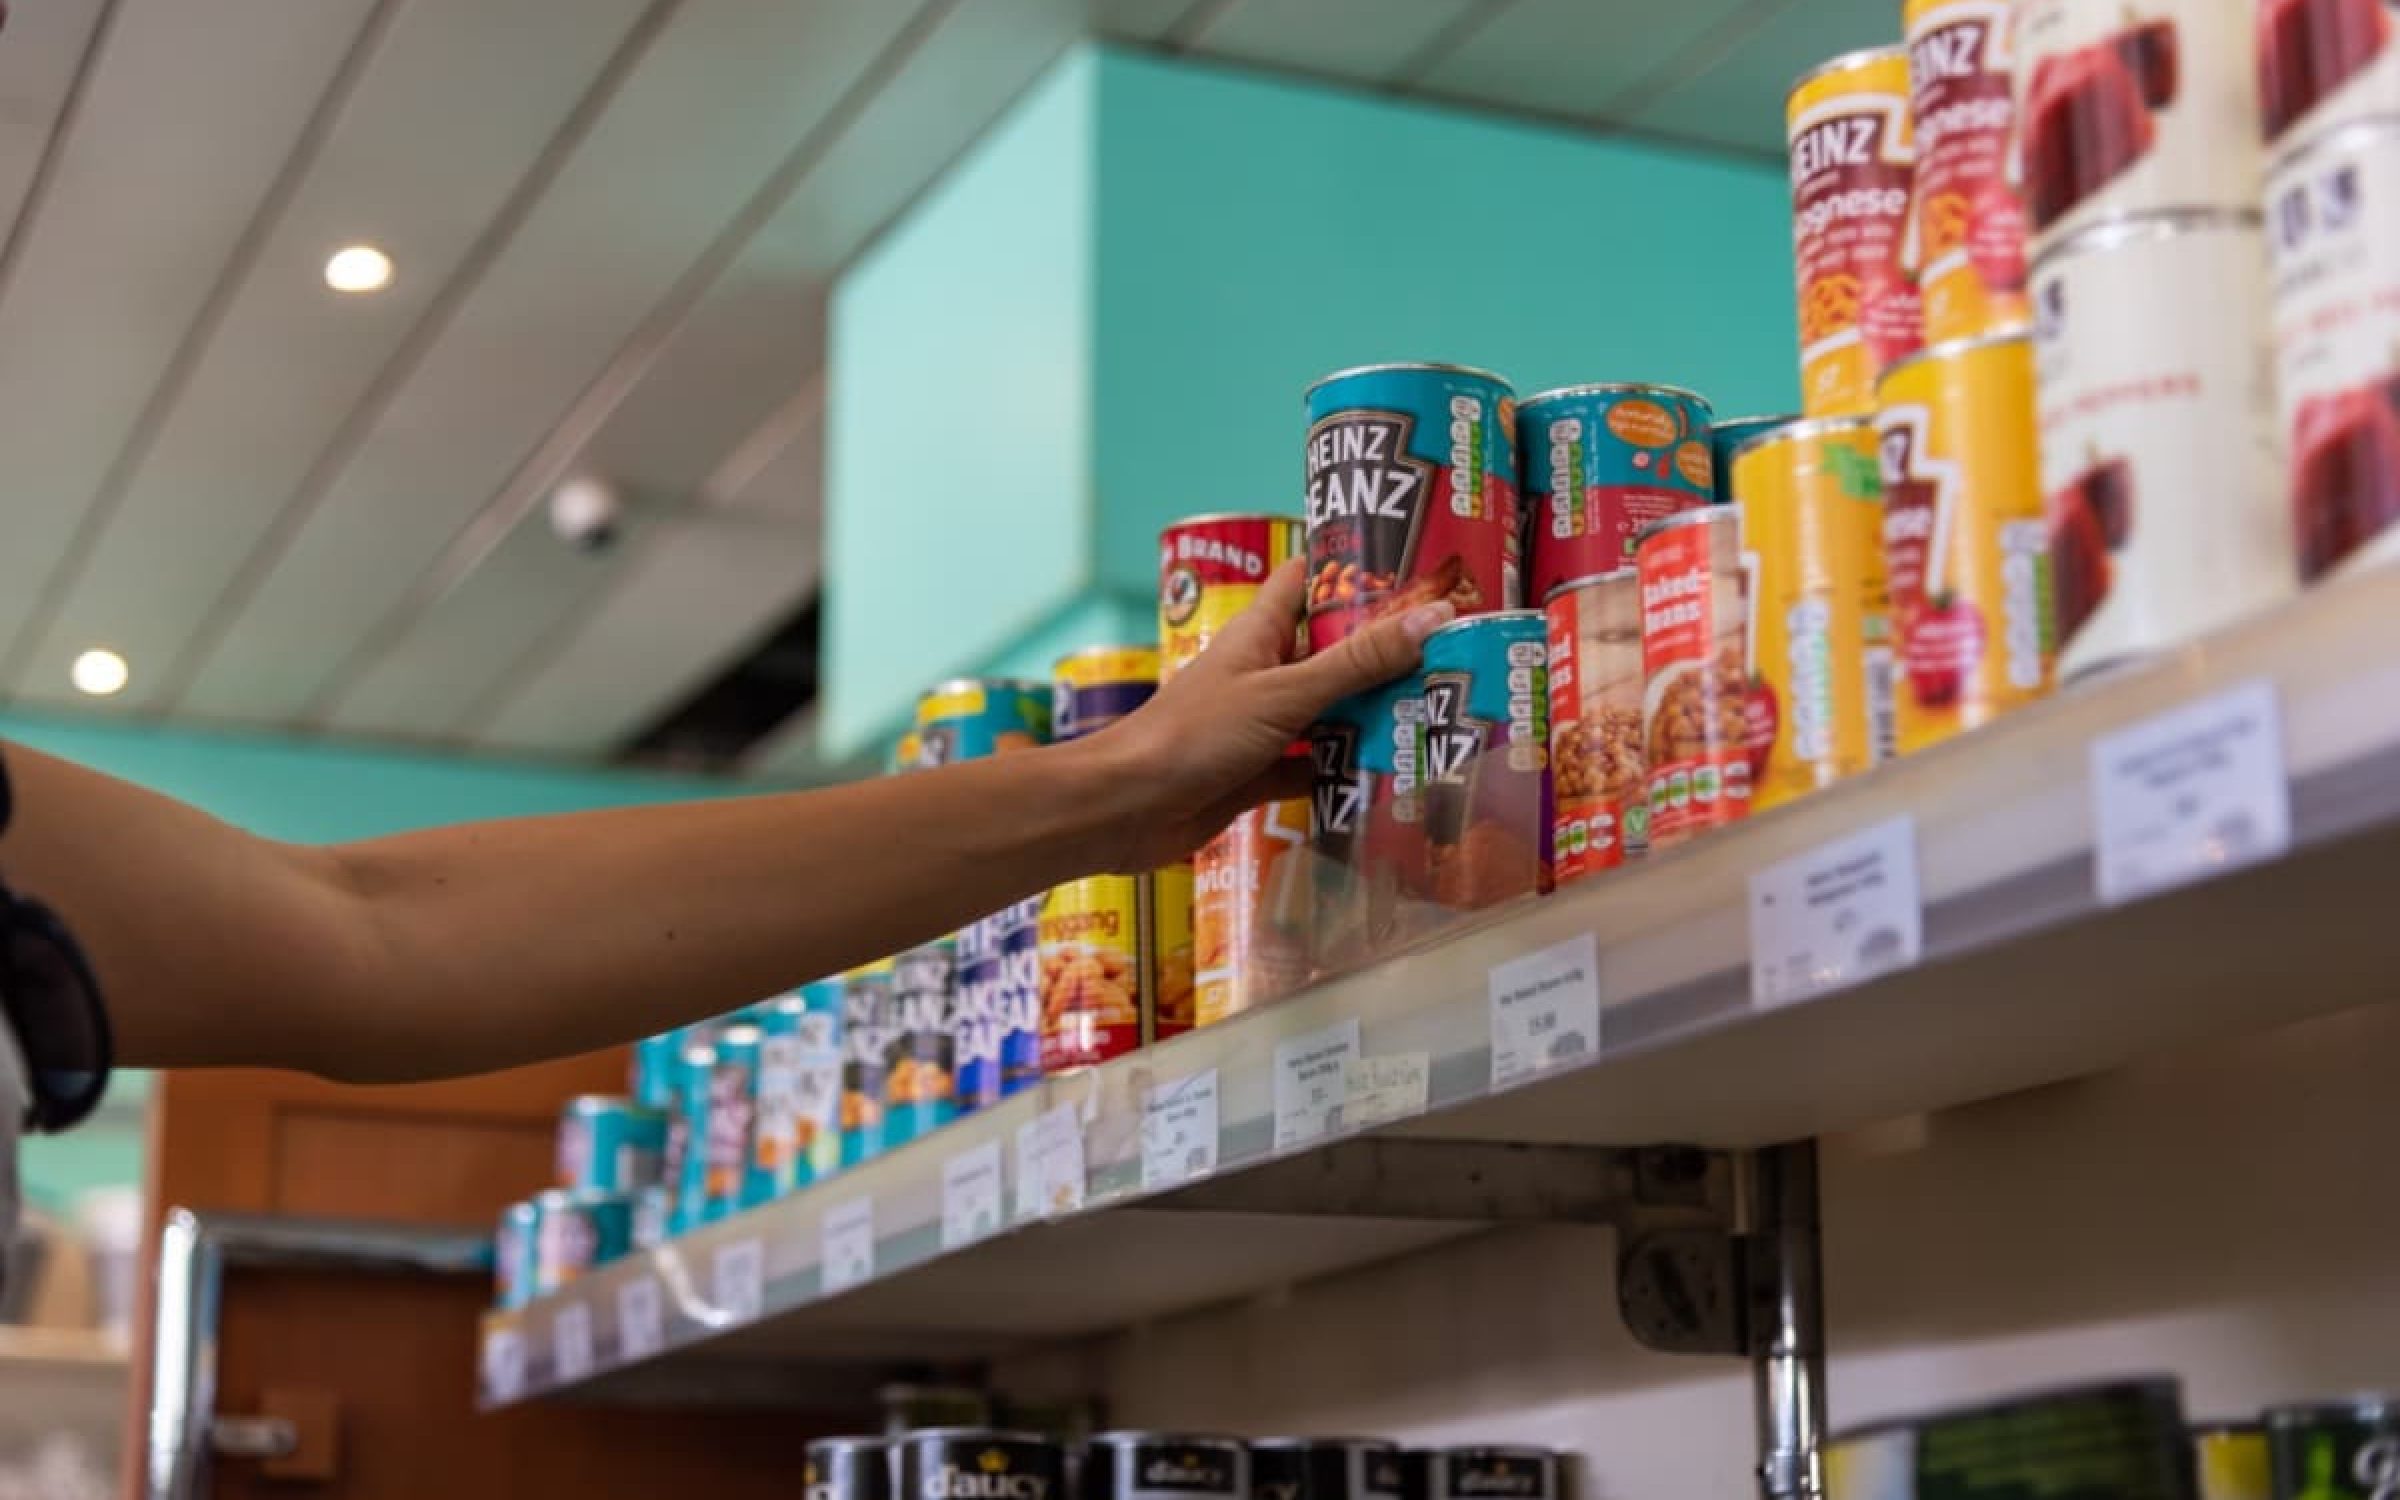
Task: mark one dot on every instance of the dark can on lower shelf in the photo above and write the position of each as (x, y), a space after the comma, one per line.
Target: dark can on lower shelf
(849, 1468)
(976, 1463)
(1165, 1466)
(1496, 1473)
(2336, 1450)
(2119, 1440)
(1325, 1468)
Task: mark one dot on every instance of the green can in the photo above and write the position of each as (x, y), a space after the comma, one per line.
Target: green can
(2336, 1450)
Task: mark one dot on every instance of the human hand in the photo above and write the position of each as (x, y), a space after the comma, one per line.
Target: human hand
(1212, 743)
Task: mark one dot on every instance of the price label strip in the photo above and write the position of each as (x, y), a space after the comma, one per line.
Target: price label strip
(971, 1196)
(504, 1365)
(571, 1342)
(1050, 1167)
(1545, 1009)
(846, 1246)
(1179, 1131)
(1311, 1083)
(1379, 1090)
(1838, 915)
(641, 1324)
(2194, 792)
(738, 1276)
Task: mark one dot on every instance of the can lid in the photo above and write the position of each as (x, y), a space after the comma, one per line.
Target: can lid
(2367, 1406)
(1805, 427)
(2126, 229)
(1119, 1436)
(577, 1198)
(1771, 419)
(740, 1034)
(1213, 517)
(1325, 1442)
(1616, 388)
(1488, 618)
(1613, 575)
(972, 1435)
(849, 1440)
(949, 685)
(2014, 333)
(698, 1053)
(1843, 62)
(1698, 515)
(1395, 367)
(2341, 140)
(583, 1102)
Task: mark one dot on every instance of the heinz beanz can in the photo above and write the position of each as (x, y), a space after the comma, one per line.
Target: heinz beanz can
(1966, 551)
(866, 1038)
(1483, 758)
(695, 1074)
(732, 1118)
(1695, 673)
(920, 1070)
(2336, 1450)
(998, 1022)
(969, 718)
(1412, 494)
(577, 1232)
(798, 1138)
(2157, 434)
(513, 1254)
(1600, 462)
(1368, 869)
(1600, 812)
(1727, 435)
(1811, 503)
(609, 1145)
(1164, 1466)
(1099, 980)
(1970, 223)
(1851, 162)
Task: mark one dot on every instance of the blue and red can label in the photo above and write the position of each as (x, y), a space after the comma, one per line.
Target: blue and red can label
(1603, 461)
(1412, 495)
(1367, 825)
(975, 717)
(996, 1023)
(1095, 687)
(1482, 759)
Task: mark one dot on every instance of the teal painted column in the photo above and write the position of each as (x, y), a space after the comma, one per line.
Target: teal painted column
(1105, 317)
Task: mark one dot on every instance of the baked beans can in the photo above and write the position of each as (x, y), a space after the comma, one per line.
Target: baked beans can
(1852, 157)
(920, 1069)
(969, 718)
(1164, 1466)
(653, 1073)
(997, 1021)
(653, 1216)
(1600, 815)
(1970, 223)
(2231, 1461)
(1326, 1468)
(1965, 547)
(575, 1233)
(2131, 109)
(728, 1139)
(1728, 434)
(866, 1044)
(1695, 673)
(2336, 1450)
(609, 1145)
(1493, 1473)
(1600, 462)
(973, 1463)
(1820, 706)
(1368, 867)
(798, 1136)
(2323, 64)
(1412, 494)
(2157, 434)
(1483, 759)
(687, 1141)
(513, 1255)
(2333, 214)
(847, 1468)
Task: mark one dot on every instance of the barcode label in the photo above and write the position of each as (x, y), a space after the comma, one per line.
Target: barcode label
(1883, 722)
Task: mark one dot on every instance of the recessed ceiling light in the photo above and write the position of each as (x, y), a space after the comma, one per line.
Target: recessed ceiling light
(358, 268)
(100, 672)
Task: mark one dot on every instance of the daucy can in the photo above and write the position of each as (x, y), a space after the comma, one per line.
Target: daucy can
(1695, 674)
(696, 1072)
(729, 1135)
(2123, 1440)
(1851, 161)
(847, 1468)
(1811, 505)
(2157, 434)
(1492, 1473)
(609, 1145)
(1249, 915)
(1600, 462)
(577, 1232)
(513, 1255)
(2344, 1450)
(1483, 759)
(969, 718)
(1412, 494)
(997, 1021)
(920, 1070)
(1728, 434)
(1369, 873)
(1970, 224)
(2322, 65)
(969, 1463)
(2126, 111)
(2231, 1461)
(1965, 549)
(2333, 229)
(867, 1030)
(798, 1137)
(1325, 1468)
(1600, 814)
(1164, 1466)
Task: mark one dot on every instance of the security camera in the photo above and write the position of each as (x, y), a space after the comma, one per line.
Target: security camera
(587, 514)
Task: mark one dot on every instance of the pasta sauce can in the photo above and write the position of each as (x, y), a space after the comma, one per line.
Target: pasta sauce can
(1969, 221)
(1695, 674)
(1483, 759)
(1600, 462)
(1852, 159)
(1600, 814)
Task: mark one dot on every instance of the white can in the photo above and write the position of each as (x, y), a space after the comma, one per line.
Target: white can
(2157, 426)
(2132, 108)
(2323, 64)
(2333, 232)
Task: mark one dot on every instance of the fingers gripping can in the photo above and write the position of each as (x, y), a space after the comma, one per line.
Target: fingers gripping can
(866, 1040)
(1248, 907)
(1852, 158)
(1969, 226)
(1695, 674)
(1483, 759)
(1412, 494)
(1600, 462)
(1601, 806)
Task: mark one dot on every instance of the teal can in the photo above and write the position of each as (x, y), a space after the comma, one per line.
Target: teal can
(969, 718)
(728, 1137)
(695, 1069)
(653, 1216)
(1483, 759)
(1729, 434)
(512, 1255)
(795, 1138)
(609, 1145)
(578, 1232)
(653, 1078)
(920, 1072)
(1601, 462)
(866, 1037)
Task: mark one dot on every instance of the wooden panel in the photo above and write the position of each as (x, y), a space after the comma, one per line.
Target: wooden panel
(346, 1165)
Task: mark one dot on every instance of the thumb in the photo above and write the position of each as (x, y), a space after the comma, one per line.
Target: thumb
(1371, 657)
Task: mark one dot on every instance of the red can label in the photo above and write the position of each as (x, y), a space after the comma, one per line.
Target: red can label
(1602, 462)
(1602, 807)
(1851, 159)
(1970, 223)
(1695, 677)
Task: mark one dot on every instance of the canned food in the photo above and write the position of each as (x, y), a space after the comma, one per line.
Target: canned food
(1970, 223)
(732, 1120)
(1600, 813)
(1164, 1466)
(1412, 494)
(1506, 1473)
(688, 1136)
(908, 752)
(653, 1216)
(2231, 1461)
(1098, 984)
(1483, 759)
(577, 1232)
(1368, 865)
(848, 1468)
(1600, 462)
(920, 1070)
(2338, 1450)
(2323, 64)
(1695, 674)
(513, 1255)
(867, 1028)
(969, 718)
(1820, 707)
(998, 1017)
(653, 1079)
(1851, 160)
(2157, 440)
(609, 1145)
(972, 1463)
(1210, 568)
(1093, 688)
(1965, 549)
(2119, 1441)
(798, 1135)
(1325, 1468)
(1878, 1462)
(2122, 111)
(1174, 953)
(1727, 434)
(2335, 238)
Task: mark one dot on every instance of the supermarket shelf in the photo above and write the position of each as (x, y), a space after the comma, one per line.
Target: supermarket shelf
(2025, 977)
(60, 1348)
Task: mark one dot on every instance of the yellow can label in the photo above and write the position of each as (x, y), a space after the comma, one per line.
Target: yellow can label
(1969, 244)
(1852, 160)
(1171, 951)
(1092, 981)
(1811, 502)
(1209, 569)
(1966, 550)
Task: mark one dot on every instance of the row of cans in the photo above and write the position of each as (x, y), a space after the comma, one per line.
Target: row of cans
(959, 1463)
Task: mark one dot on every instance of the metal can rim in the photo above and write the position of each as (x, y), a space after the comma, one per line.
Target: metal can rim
(1288, 1441)
(1405, 366)
(2368, 1406)
(578, 1197)
(1626, 574)
(580, 1103)
(1210, 517)
(1775, 418)
(850, 1440)
(1499, 1450)
(2340, 139)
(1159, 1435)
(950, 685)
(2126, 229)
(977, 1434)
(1614, 387)
(1804, 427)
(1698, 515)
(1843, 62)
(1487, 617)
(2014, 333)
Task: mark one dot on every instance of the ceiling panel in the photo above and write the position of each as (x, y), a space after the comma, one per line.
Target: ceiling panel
(1145, 20)
(39, 63)
(1569, 57)
(455, 110)
(1738, 100)
(715, 107)
(1355, 39)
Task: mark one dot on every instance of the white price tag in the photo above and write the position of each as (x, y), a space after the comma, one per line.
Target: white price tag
(1836, 916)
(1179, 1131)
(504, 1365)
(571, 1342)
(2190, 793)
(641, 1325)
(846, 1246)
(1310, 1082)
(1545, 1009)
(971, 1196)
(739, 1278)
(1050, 1174)
(1379, 1090)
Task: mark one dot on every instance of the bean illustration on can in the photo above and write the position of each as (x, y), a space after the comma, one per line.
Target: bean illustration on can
(1852, 158)
(1695, 674)
(1600, 462)
(1970, 223)
(1483, 759)
(1601, 803)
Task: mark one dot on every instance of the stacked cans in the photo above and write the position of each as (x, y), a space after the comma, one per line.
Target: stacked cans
(1852, 160)
(995, 1014)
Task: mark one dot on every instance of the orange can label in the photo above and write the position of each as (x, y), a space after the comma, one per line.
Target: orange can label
(1852, 158)
(1695, 674)
(1965, 547)
(1090, 934)
(1250, 912)
(1970, 222)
